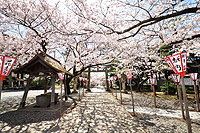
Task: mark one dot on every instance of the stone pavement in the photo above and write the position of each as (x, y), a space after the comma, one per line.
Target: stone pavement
(162, 112)
(99, 112)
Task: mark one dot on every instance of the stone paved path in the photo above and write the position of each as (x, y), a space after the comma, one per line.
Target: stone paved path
(162, 112)
(99, 112)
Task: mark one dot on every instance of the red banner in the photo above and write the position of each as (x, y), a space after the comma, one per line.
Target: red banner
(61, 75)
(6, 64)
(129, 74)
(178, 63)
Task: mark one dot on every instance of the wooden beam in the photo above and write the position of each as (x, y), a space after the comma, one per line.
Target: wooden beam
(23, 102)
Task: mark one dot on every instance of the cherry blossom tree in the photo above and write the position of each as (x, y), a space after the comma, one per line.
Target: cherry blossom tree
(89, 33)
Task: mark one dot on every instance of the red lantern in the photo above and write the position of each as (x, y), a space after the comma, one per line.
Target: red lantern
(193, 76)
(129, 74)
(176, 78)
(152, 81)
(6, 64)
(61, 75)
(178, 63)
(119, 76)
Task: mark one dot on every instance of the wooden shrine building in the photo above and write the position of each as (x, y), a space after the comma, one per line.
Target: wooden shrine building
(41, 65)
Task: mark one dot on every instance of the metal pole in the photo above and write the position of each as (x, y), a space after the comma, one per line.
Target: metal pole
(181, 101)
(196, 96)
(120, 88)
(132, 97)
(188, 121)
(1, 84)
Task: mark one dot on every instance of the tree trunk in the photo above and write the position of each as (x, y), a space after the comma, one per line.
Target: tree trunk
(107, 82)
(124, 85)
(88, 84)
(75, 80)
(67, 86)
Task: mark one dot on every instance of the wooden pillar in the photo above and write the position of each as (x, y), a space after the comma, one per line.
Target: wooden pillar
(23, 102)
(65, 87)
(10, 82)
(88, 85)
(53, 91)
(46, 85)
(18, 81)
(22, 82)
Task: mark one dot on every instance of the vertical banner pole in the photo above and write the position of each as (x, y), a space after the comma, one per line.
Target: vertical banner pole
(120, 88)
(116, 92)
(181, 101)
(154, 95)
(196, 96)
(61, 98)
(83, 88)
(1, 86)
(188, 121)
(132, 97)
(111, 87)
(79, 92)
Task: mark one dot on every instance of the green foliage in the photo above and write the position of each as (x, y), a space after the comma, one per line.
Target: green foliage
(38, 83)
(171, 87)
(190, 90)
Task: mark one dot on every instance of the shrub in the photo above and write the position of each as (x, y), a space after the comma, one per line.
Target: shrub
(171, 87)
